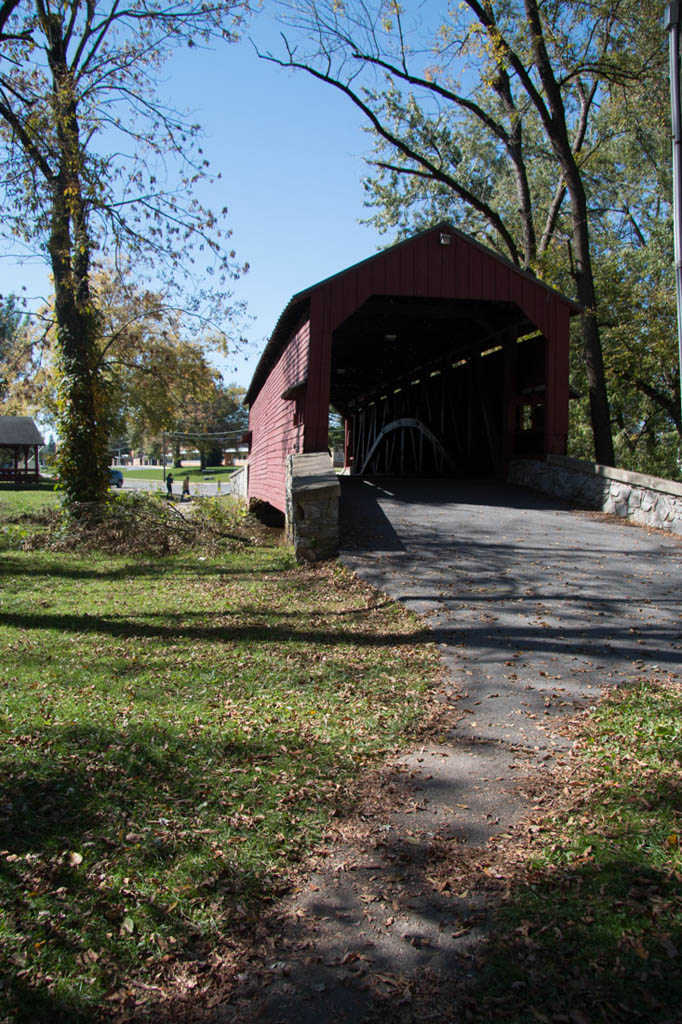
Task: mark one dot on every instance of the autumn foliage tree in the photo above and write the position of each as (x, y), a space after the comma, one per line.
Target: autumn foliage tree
(92, 161)
(212, 424)
(153, 358)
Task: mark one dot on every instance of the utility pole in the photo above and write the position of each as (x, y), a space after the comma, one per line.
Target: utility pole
(672, 24)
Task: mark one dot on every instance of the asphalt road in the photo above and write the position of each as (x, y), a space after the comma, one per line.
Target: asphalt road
(206, 487)
(536, 607)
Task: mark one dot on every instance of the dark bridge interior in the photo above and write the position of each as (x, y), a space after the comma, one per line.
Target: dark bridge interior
(439, 386)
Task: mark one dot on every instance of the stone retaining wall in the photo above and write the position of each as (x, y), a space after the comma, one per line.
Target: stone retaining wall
(239, 483)
(645, 499)
(312, 513)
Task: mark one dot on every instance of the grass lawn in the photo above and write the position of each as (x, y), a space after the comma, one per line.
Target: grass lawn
(594, 931)
(174, 734)
(25, 498)
(17, 506)
(193, 472)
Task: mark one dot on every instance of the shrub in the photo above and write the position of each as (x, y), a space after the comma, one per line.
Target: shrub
(139, 523)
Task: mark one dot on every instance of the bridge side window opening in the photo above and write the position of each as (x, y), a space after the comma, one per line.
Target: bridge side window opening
(531, 417)
(295, 394)
(531, 394)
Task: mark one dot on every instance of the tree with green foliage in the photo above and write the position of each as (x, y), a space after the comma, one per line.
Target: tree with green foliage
(84, 139)
(336, 435)
(11, 321)
(154, 356)
(151, 356)
(492, 118)
(215, 421)
(630, 190)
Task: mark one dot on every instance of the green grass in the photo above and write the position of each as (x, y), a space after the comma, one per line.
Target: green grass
(19, 508)
(595, 933)
(175, 734)
(17, 499)
(193, 472)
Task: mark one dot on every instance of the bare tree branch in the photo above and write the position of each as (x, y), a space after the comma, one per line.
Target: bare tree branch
(429, 169)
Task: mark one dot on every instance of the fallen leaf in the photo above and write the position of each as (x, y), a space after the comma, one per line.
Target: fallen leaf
(127, 926)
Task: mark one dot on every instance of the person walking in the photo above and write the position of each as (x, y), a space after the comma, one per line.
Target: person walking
(169, 485)
(185, 489)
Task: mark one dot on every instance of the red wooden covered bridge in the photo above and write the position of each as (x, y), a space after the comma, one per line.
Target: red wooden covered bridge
(442, 357)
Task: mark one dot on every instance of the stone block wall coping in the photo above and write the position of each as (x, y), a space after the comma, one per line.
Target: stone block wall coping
(313, 472)
(312, 506)
(652, 483)
(308, 485)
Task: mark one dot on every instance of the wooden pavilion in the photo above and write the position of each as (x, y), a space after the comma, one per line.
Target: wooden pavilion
(20, 440)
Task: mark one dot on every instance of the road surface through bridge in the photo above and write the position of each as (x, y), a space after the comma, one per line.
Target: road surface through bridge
(536, 607)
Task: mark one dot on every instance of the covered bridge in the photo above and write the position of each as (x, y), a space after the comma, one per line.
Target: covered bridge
(442, 357)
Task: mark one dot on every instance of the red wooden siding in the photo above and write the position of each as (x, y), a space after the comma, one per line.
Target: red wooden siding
(272, 423)
(556, 412)
(319, 370)
(460, 270)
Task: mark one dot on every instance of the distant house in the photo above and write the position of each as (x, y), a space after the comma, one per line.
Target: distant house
(235, 456)
(20, 440)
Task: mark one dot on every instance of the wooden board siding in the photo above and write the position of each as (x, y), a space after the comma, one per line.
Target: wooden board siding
(556, 401)
(319, 369)
(424, 267)
(271, 422)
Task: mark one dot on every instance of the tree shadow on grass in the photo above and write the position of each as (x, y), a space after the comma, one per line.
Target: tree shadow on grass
(14, 565)
(586, 944)
(598, 938)
(118, 847)
(250, 625)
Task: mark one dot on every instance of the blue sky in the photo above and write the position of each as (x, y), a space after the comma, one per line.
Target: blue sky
(290, 151)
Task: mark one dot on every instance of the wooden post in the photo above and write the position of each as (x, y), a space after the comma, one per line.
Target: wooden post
(509, 400)
(556, 386)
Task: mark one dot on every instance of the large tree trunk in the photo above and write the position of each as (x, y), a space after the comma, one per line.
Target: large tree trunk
(554, 118)
(83, 451)
(83, 427)
(594, 360)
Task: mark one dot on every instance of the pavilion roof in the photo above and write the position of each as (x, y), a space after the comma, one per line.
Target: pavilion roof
(19, 430)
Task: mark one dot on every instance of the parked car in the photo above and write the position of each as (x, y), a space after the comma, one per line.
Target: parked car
(115, 478)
